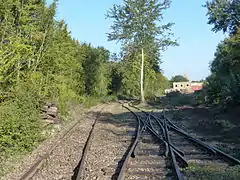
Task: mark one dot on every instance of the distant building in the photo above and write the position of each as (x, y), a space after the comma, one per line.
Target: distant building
(181, 85)
(196, 86)
(185, 87)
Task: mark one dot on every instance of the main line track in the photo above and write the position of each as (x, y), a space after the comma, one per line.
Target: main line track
(79, 171)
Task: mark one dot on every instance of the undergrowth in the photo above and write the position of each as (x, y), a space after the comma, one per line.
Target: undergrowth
(212, 172)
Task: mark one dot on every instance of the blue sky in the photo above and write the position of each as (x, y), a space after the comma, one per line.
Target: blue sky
(86, 20)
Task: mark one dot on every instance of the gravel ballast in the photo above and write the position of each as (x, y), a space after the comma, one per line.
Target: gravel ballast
(111, 139)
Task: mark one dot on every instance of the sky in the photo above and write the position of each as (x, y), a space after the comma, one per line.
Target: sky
(197, 43)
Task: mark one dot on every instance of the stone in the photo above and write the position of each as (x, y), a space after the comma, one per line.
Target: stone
(48, 104)
(44, 108)
(52, 111)
(50, 121)
(44, 116)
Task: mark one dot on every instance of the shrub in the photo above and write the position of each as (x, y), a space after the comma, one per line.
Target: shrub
(20, 125)
(198, 172)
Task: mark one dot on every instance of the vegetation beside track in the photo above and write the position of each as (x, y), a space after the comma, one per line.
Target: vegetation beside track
(202, 172)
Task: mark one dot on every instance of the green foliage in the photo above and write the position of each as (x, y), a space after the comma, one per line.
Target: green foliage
(201, 172)
(116, 76)
(40, 61)
(126, 78)
(137, 25)
(95, 67)
(179, 78)
(224, 15)
(155, 83)
(20, 125)
(223, 84)
(136, 22)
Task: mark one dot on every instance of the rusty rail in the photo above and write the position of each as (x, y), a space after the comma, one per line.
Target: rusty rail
(230, 159)
(170, 150)
(121, 174)
(165, 125)
(81, 167)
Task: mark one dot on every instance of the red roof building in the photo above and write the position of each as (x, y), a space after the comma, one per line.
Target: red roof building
(196, 86)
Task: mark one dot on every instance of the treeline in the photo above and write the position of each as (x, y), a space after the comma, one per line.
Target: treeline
(40, 61)
(223, 85)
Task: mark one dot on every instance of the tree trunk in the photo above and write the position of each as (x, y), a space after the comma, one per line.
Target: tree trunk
(41, 49)
(141, 80)
(18, 71)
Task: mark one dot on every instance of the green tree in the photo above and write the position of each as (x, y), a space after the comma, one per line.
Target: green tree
(136, 25)
(116, 76)
(224, 15)
(25, 27)
(40, 61)
(179, 78)
(224, 81)
(96, 77)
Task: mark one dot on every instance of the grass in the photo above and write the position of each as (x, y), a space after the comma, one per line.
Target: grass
(212, 172)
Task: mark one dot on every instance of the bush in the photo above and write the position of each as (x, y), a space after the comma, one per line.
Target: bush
(20, 125)
(200, 172)
(90, 101)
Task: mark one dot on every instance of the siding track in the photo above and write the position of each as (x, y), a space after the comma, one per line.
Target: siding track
(161, 149)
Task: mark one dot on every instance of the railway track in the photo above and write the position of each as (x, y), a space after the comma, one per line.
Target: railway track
(32, 171)
(161, 149)
(80, 169)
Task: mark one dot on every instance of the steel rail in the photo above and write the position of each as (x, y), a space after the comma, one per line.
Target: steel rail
(230, 159)
(141, 132)
(80, 173)
(174, 127)
(175, 149)
(157, 135)
(171, 150)
(39, 163)
(163, 134)
(160, 138)
(172, 155)
(161, 126)
(121, 174)
(150, 129)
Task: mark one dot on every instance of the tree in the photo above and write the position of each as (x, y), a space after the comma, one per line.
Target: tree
(96, 77)
(40, 61)
(224, 81)
(136, 26)
(179, 78)
(224, 15)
